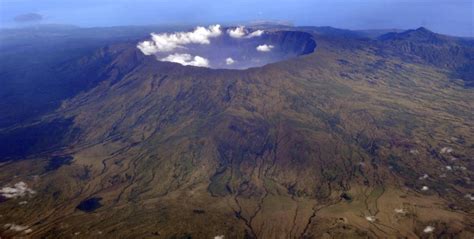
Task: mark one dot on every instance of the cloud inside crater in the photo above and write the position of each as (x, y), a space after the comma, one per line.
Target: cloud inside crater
(187, 60)
(241, 32)
(264, 48)
(229, 61)
(237, 32)
(166, 42)
(204, 46)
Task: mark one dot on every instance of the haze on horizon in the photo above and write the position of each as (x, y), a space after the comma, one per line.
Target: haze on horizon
(453, 17)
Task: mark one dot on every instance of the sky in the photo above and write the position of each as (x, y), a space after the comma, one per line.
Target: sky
(453, 17)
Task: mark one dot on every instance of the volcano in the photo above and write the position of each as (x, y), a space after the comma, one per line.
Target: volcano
(337, 135)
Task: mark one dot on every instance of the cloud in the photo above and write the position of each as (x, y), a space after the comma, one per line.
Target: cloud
(400, 210)
(264, 48)
(425, 176)
(219, 237)
(459, 167)
(165, 42)
(256, 33)
(241, 32)
(414, 151)
(178, 47)
(187, 60)
(470, 197)
(237, 32)
(446, 150)
(229, 61)
(18, 190)
(15, 227)
(428, 229)
(28, 17)
(370, 218)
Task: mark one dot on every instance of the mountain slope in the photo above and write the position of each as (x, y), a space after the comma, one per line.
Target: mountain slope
(332, 144)
(455, 54)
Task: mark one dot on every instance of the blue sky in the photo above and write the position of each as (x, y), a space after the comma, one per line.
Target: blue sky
(453, 17)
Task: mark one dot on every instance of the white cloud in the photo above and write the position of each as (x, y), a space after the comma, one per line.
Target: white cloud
(229, 61)
(256, 33)
(414, 151)
(165, 42)
(399, 210)
(425, 188)
(425, 176)
(446, 150)
(219, 237)
(187, 60)
(241, 32)
(15, 227)
(370, 218)
(237, 32)
(459, 167)
(18, 190)
(264, 48)
(428, 229)
(470, 197)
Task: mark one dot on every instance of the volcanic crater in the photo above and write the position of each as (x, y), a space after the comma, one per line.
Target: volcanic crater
(228, 48)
